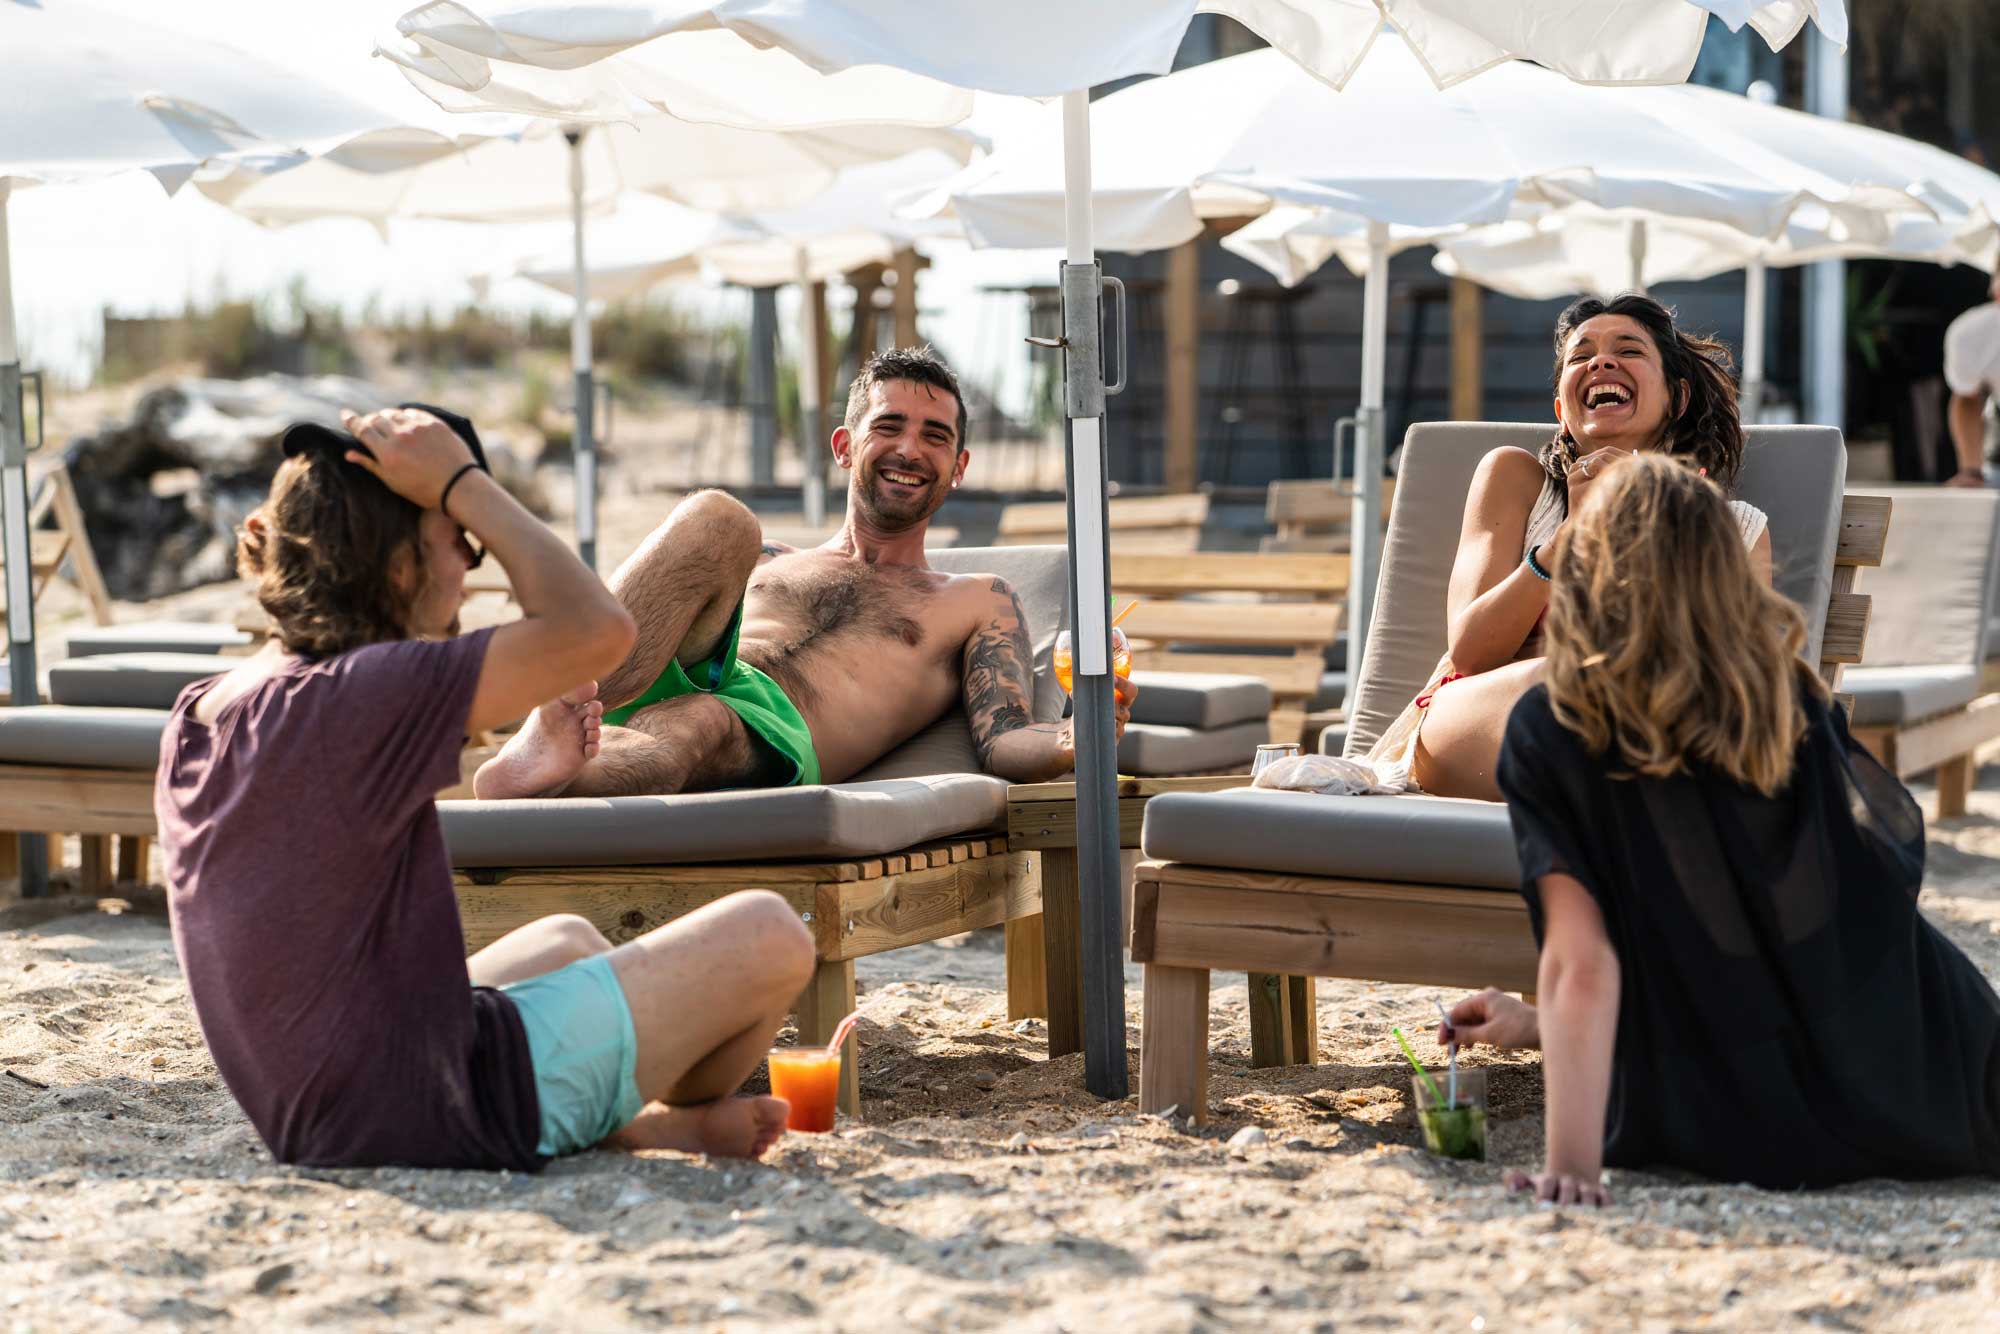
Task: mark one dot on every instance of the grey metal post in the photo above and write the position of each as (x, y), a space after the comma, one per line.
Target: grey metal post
(14, 533)
(1102, 965)
(763, 386)
(584, 451)
(1825, 312)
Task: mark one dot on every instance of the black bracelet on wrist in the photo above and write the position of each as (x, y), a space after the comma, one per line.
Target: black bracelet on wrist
(467, 467)
(1535, 566)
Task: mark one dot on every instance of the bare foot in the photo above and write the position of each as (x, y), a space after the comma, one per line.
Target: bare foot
(542, 758)
(743, 1127)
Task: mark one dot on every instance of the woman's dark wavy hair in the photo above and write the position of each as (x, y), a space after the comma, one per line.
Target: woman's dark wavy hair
(322, 564)
(1705, 429)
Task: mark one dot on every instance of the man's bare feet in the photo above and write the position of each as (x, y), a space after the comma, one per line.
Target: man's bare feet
(742, 1127)
(542, 758)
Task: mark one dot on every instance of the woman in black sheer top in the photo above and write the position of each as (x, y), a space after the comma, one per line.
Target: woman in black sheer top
(1734, 976)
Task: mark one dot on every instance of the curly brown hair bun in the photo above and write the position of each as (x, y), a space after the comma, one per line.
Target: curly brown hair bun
(321, 552)
(1706, 428)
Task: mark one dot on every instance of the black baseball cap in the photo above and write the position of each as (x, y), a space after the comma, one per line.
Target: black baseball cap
(305, 437)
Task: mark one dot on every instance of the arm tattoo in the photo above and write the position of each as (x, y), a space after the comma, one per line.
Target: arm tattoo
(999, 673)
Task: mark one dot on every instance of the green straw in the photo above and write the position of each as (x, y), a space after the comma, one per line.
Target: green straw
(1422, 1073)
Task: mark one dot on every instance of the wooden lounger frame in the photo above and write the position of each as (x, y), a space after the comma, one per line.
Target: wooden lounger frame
(855, 906)
(1170, 523)
(1285, 930)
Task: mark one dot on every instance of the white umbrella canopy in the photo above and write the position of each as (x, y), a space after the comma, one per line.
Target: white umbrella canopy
(90, 90)
(476, 51)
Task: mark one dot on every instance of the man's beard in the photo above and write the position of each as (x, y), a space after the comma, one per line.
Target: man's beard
(894, 512)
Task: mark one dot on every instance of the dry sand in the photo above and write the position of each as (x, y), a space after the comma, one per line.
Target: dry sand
(984, 1189)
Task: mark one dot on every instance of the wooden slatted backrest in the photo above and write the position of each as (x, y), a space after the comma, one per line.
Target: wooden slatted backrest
(1313, 514)
(1864, 530)
(1137, 523)
(66, 546)
(1244, 614)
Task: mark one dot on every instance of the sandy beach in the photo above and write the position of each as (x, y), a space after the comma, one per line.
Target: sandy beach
(983, 1188)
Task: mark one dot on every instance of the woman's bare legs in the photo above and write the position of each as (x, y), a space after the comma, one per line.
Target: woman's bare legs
(1458, 747)
(542, 946)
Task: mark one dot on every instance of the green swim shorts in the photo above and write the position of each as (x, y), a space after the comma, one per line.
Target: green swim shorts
(584, 1050)
(772, 718)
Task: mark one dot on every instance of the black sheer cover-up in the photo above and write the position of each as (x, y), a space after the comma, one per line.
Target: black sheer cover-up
(1786, 1016)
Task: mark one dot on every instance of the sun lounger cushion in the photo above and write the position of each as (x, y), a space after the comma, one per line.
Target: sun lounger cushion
(1885, 696)
(1158, 749)
(1195, 699)
(1332, 690)
(1040, 578)
(85, 738)
(1421, 840)
(1928, 599)
(132, 680)
(1793, 473)
(771, 824)
(157, 637)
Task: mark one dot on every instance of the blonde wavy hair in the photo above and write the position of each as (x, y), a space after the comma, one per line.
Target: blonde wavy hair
(1663, 642)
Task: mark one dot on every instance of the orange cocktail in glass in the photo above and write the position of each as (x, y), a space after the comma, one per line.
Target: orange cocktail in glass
(1062, 661)
(809, 1079)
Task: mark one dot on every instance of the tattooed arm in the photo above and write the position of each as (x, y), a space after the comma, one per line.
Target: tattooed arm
(999, 698)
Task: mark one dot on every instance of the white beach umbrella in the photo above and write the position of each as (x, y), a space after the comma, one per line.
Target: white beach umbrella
(90, 90)
(568, 171)
(480, 52)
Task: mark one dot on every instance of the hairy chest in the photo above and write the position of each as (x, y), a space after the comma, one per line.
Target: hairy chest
(803, 603)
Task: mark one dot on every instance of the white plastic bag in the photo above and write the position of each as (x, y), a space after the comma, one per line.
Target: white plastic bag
(1327, 775)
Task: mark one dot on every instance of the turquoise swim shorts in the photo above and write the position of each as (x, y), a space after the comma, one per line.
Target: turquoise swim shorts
(585, 1053)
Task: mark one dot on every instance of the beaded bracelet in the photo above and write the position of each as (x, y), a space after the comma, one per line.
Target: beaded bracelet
(1535, 566)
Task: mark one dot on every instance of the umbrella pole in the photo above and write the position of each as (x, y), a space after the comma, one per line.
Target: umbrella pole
(584, 449)
(1366, 543)
(14, 512)
(812, 400)
(1102, 964)
(1635, 244)
(1755, 293)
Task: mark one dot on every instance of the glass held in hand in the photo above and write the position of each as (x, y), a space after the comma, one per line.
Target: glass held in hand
(1121, 657)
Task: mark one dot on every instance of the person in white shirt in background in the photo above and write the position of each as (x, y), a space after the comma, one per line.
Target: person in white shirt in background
(1972, 369)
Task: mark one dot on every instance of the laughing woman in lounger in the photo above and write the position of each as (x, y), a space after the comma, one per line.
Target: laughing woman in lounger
(308, 883)
(1627, 381)
(1734, 976)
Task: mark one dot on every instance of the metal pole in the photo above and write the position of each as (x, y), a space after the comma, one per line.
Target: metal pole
(812, 399)
(1635, 246)
(1755, 292)
(763, 386)
(1369, 450)
(585, 449)
(14, 517)
(1826, 282)
(1103, 963)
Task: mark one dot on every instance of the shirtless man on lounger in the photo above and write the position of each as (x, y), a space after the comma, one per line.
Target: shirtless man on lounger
(758, 665)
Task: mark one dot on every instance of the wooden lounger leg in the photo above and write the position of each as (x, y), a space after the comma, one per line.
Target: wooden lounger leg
(1027, 969)
(1173, 1041)
(95, 878)
(10, 855)
(1302, 1010)
(1282, 1027)
(134, 858)
(1955, 778)
(1062, 950)
(828, 999)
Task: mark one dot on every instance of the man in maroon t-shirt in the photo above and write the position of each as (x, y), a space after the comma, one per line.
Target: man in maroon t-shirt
(308, 882)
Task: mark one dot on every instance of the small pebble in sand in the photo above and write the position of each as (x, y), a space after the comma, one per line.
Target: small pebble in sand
(1246, 1139)
(1027, 1025)
(984, 1079)
(1018, 1143)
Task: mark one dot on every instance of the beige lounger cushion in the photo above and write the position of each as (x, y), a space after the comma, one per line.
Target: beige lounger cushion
(1153, 749)
(132, 680)
(88, 738)
(1423, 840)
(1884, 696)
(157, 637)
(1199, 699)
(1793, 473)
(773, 824)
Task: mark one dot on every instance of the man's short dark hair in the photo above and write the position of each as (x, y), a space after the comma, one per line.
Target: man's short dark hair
(920, 365)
